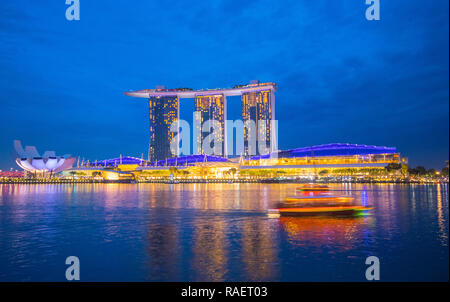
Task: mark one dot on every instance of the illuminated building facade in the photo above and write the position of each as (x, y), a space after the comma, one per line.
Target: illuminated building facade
(329, 161)
(11, 174)
(259, 107)
(258, 101)
(211, 107)
(43, 165)
(163, 111)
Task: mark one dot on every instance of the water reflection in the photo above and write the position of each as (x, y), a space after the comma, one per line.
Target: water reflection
(210, 246)
(443, 230)
(163, 251)
(211, 232)
(259, 250)
(342, 234)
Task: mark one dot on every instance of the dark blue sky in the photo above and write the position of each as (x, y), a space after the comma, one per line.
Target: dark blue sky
(340, 77)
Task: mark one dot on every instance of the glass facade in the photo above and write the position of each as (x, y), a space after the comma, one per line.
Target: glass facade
(211, 107)
(327, 160)
(163, 111)
(258, 107)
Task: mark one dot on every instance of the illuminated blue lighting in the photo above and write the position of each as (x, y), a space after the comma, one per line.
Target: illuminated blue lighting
(189, 159)
(330, 150)
(113, 162)
(174, 161)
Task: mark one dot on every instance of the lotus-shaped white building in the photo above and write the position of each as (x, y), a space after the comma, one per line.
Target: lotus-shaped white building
(30, 160)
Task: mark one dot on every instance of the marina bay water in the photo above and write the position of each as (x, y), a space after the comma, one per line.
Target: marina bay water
(218, 232)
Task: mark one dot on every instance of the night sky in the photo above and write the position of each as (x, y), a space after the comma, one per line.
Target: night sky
(340, 77)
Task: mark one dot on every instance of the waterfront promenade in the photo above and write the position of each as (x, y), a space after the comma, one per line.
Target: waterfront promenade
(222, 180)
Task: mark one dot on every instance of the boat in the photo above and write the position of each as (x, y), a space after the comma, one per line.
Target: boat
(318, 198)
(313, 188)
(319, 203)
(347, 210)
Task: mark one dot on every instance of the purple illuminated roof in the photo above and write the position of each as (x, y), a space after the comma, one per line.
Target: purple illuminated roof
(175, 161)
(332, 150)
(125, 160)
(189, 159)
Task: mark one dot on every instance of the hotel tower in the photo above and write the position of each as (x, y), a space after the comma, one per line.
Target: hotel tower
(258, 105)
(163, 111)
(211, 107)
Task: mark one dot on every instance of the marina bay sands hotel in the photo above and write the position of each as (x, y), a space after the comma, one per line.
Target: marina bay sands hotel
(257, 100)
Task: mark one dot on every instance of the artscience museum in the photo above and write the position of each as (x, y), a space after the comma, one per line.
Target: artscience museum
(32, 162)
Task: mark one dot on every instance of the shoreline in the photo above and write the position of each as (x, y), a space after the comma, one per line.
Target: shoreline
(189, 181)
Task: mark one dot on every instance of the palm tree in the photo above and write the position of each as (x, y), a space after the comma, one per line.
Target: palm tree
(185, 173)
(173, 170)
(323, 172)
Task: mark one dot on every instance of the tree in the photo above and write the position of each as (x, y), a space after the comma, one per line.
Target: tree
(421, 170)
(431, 173)
(173, 170)
(404, 170)
(203, 172)
(393, 167)
(323, 172)
(444, 172)
(413, 171)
